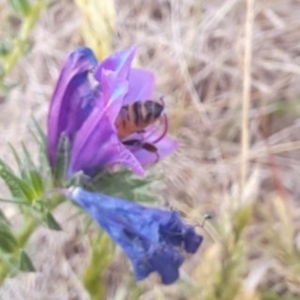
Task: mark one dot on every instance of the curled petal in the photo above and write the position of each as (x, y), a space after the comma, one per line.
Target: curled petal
(97, 145)
(71, 89)
(164, 148)
(113, 91)
(141, 85)
(127, 158)
(95, 142)
(119, 62)
(94, 146)
(163, 260)
(152, 238)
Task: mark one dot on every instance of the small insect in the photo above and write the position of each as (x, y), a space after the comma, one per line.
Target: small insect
(135, 118)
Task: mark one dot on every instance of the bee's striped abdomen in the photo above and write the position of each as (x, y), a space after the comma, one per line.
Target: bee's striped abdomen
(137, 116)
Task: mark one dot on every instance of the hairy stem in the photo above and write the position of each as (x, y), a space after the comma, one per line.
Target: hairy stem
(100, 258)
(21, 42)
(30, 225)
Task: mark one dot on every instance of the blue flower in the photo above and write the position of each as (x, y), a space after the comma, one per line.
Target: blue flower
(152, 238)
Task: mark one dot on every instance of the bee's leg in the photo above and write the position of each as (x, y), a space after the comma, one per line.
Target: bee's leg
(141, 131)
(132, 142)
(151, 148)
(164, 119)
(157, 157)
(146, 146)
(162, 101)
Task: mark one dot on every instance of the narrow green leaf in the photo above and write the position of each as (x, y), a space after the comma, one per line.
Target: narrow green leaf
(36, 182)
(123, 184)
(21, 7)
(144, 198)
(62, 161)
(14, 201)
(240, 220)
(43, 163)
(40, 136)
(26, 264)
(8, 242)
(27, 158)
(3, 219)
(101, 256)
(5, 47)
(18, 187)
(52, 223)
(79, 179)
(17, 158)
(11, 264)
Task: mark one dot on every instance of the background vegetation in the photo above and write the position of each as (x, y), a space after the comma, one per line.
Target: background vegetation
(230, 72)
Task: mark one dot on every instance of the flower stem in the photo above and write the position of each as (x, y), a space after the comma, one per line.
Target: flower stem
(21, 41)
(23, 236)
(100, 258)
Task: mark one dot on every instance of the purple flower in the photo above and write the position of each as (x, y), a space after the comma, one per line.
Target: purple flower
(152, 238)
(86, 113)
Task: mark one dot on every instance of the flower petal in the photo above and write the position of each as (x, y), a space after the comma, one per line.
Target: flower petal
(113, 91)
(164, 148)
(97, 144)
(118, 62)
(141, 86)
(150, 237)
(94, 145)
(126, 157)
(72, 86)
(95, 149)
(166, 262)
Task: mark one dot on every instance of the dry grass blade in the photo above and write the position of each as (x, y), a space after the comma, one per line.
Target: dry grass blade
(245, 143)
(98, 25)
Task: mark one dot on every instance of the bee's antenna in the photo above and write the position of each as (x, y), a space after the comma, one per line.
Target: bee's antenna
(161, 99)
(205, 218)
(166, 127)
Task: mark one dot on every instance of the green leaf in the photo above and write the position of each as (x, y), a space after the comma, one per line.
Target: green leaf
(14, 201)
(26, 264)
(17, 159)
(5, 47)
(62, 160)
(41, 139)
(36, 182)
(21, 7)
(101, 256)
(27, 158)
(240, 220)
(78, 179)
(52, 223)
(8, 242)
(39, 136)
(10, 263)
(3, 219)
(123, 184)
(17, 187)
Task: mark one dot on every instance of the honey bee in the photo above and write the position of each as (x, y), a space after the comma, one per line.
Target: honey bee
(135, 118)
